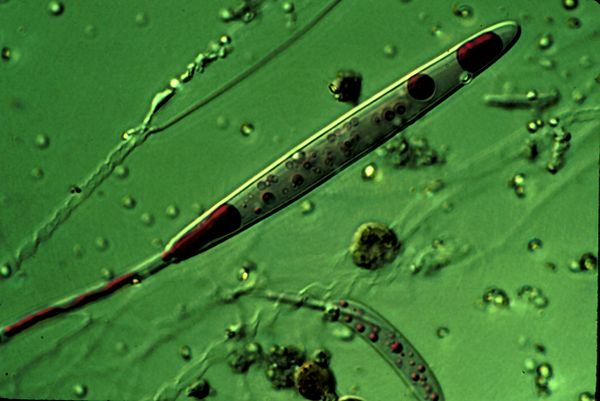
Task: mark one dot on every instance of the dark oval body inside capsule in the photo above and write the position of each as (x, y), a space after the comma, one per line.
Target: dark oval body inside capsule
(479, 52)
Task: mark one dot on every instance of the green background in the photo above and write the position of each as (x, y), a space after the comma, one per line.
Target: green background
(84, 77)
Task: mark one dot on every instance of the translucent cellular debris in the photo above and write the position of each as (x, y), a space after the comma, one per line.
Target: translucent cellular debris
(101, 243)
(172, 211)
(534, 296)
(442, 332)
(534, 244)
(560, 145)
(245, 11)
(42, 141)
(128, 202)
(141, 19)
(574, 23)
(434, 187)
(185, 352)
(307, 206)
(543, 374)
(56, 8)
(412, 152)
(374, 245)
(586, 262)
(520, 100)
(281, 364)
(586, 396)
(346, 86)
(147, 218)
(80, 390)
(107, 273)
(200, 389)
(390, 50)
(496, 297)
(531, 149)
(37, 173)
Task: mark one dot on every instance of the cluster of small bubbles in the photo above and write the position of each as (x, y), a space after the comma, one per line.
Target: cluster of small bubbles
(442, 332)
(246, 12)
(560, 145)
(586, 396)
(574, 23)
(101, 243)
(570, 4)
(307, 206)
(121, 171)
(369, 172)
(434, 187)
(534, 244)
(534, 296)
(128, 202)
(546, 41)
(199, 389)
(77, 251)
(141, 19)
(107, 273)
(586, 262)
(465, 78)
(37, 173)
(222, 122)
(5, 53)
(390, 50)
(462, 10)
(80, 390)
(74, 189)
(172, 211)
(246, 129)
(282, 362)
(185, 352)
(412, 152)
(517, 183)
(543, 373)
(496, 297)
(42, 141)
(56, 8)
(147, 218)
(5, 271)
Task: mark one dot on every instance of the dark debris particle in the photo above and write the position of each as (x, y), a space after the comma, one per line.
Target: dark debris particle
(314, 382)
(374, 245)
(281, 365)
(199, 389)
(346, 86)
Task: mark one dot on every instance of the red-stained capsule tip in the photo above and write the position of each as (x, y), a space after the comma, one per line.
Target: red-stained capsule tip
(479, 52)
(222, 221)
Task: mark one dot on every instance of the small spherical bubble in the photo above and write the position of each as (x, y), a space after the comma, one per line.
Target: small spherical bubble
(5, 270)
(121, 171)
(307, 206)
(128, 202)
(462, 11)
(225, 40)
(442, 332)
(532, 127)
(465, 77)
(544, 369)
(532, 95)
(6, 54)
(243, 274)
(141, 19)
(586, 396)
(174, 83)
(588, 261)
(42, 141)
(37, 173)
(186, 352)
(546, 63)
(570, 4)
(546, 41)
(172, 211)
(226, 14)
(287, 7)
(529, 365)
(80, 390)
(369, 171)
(107, 274)
(246, 129)
(390, 50)
(553, 121)
(101, 243)
(534, 244)
(56, 8)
